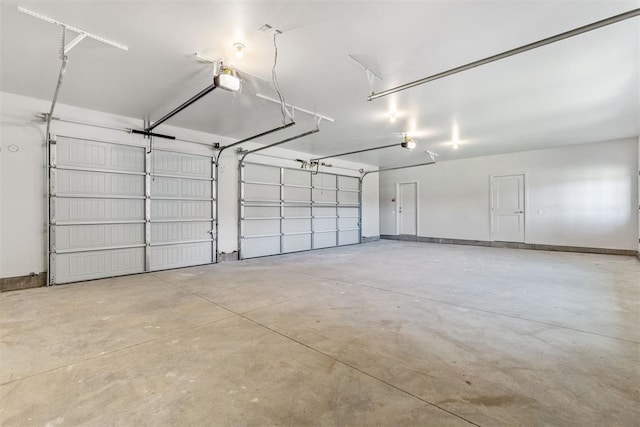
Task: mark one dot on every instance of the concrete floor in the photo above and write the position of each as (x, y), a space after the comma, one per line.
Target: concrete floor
(386, 333)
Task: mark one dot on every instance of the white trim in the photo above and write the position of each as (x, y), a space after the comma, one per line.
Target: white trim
(525, 191)
(417, 183)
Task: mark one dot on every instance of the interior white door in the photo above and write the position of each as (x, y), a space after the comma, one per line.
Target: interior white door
(408, 209)
(508, 208)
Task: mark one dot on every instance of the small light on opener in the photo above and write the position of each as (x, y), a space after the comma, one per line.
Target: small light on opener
(392, 117)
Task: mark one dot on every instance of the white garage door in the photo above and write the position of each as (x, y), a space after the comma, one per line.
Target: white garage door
(181, 211)
(115, 210)
(289, 210)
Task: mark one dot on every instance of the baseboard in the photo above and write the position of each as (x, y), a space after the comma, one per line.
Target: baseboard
(23, 282)
(225, 257)
(367, 239)
(530, 246)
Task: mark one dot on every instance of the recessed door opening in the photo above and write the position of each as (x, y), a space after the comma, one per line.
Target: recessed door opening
(507, 208)
(407, 208)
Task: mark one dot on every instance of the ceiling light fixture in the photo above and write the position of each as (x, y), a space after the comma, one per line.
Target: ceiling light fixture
(239, 47)
(455, 135)
(392, 117)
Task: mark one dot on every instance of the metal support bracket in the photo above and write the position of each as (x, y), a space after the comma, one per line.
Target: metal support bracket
(77, 30)
(73, 42)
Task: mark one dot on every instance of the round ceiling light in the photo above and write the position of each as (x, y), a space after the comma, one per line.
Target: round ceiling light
(239, 47)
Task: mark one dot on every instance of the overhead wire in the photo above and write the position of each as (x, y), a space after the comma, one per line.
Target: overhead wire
(276, 86)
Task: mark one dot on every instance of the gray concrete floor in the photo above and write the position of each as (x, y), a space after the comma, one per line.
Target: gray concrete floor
(386, 333)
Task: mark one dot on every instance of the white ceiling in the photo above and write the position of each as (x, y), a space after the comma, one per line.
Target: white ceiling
(579, 90)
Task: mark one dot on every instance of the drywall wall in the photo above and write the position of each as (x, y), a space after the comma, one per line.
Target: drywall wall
(22, 167)
(581, 195)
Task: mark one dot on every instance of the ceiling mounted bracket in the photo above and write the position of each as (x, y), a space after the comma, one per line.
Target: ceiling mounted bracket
(217, 62)
(368, 69)
(73, 42)
(432, 155)
(293, 107)
(81, 33)
(63, 48)
(370, 78)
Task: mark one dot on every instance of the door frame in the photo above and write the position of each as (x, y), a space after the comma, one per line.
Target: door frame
(525, 191)
(417, 183)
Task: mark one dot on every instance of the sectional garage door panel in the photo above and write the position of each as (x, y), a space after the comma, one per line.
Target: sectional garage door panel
(180, 187)
(348, 183)
(181, 210)
(323, 239)
(184, 209)
(180, 255)
(348, 237)
(172, 232)
(117, 210)
(297, 177)
(96, 155)
(74, 267)
(296, 243)
(181, 164)
(289, 210)
(261, 173)
(262, 246)
(99, 183)
(94, 236)
(88, 209)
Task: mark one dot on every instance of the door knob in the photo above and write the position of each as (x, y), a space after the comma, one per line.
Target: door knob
(519, 212)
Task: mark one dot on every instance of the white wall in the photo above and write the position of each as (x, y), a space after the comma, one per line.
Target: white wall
(22, 196)
(582, 195)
